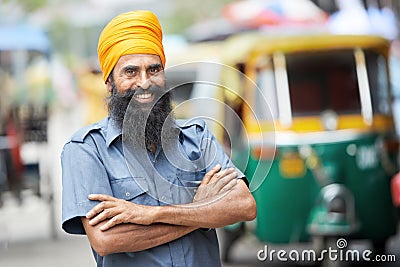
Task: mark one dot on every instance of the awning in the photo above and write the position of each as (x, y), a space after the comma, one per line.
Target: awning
(23, 37)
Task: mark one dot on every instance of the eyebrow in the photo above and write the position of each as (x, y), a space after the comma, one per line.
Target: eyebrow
(135, 68)
(154, 66)
(129, 67)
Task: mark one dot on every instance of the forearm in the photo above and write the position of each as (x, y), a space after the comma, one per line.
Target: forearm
(132, 237)
(237, 205)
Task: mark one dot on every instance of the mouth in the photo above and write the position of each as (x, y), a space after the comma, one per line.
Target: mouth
(144, 98)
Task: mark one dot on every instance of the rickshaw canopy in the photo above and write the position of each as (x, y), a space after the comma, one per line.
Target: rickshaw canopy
(256, 43)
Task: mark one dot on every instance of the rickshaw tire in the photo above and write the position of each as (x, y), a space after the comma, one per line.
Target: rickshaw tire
(379, 246)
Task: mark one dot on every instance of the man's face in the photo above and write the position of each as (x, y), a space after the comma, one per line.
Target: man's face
(138, 71)
(140, 78)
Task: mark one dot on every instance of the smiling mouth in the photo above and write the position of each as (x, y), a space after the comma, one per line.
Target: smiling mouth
(144, 96)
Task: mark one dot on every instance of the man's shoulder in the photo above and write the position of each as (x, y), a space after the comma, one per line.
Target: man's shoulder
(80, 135)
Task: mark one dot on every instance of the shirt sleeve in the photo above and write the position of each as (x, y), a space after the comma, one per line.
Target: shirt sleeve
(82, 174)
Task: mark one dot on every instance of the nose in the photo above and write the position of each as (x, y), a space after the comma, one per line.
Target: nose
(143, 80)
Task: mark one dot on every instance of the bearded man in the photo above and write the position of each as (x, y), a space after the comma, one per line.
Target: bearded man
(146, 189)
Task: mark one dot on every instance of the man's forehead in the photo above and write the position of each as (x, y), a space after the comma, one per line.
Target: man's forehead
(138, 60)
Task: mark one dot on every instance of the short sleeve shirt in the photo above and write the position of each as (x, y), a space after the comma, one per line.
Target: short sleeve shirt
(94, 161)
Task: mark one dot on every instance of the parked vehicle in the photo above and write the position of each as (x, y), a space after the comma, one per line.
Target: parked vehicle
(316, 137)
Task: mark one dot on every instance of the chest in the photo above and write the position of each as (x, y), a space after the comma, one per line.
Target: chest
(152, 179)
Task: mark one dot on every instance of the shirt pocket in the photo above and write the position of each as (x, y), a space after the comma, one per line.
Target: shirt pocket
(190, 179)
(131, 189)
(188, 183)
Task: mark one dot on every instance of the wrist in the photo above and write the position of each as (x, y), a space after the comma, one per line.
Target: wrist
(157, 214)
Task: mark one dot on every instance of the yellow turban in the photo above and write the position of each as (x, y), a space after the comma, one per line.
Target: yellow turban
(135, 32)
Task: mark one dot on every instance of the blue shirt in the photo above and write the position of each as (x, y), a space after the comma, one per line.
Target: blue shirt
(93, 161)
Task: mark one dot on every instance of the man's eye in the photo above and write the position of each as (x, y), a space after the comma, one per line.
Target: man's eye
(130, 71)
(155, 69)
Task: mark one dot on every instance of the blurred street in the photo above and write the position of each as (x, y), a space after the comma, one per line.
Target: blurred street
(30, 233)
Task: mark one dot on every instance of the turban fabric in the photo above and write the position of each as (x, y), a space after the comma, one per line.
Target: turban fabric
(135, 32)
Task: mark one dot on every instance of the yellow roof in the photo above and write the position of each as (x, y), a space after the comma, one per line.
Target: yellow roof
(239, 47)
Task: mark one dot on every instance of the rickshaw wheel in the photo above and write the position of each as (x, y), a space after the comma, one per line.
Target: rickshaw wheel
(379, 246)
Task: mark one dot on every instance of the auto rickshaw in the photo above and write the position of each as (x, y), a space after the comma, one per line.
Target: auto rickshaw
(308, 119)
(326, 172)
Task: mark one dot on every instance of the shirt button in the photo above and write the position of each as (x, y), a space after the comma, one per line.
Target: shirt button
(127, 194)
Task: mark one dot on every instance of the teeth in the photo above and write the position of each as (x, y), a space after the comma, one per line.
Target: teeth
(143, 96)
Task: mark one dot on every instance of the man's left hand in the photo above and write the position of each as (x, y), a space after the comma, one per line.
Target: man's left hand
(118, 211)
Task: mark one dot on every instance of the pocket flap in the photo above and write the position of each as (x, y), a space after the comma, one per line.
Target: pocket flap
(129, 188)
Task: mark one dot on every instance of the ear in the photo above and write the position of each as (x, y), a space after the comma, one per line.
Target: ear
(109, 81)
(108, 86)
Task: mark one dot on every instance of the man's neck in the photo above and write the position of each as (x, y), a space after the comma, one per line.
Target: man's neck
(152, 148)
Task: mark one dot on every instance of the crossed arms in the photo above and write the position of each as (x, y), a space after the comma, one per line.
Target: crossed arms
(116, 225)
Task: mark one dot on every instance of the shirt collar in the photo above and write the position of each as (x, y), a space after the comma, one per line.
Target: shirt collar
(113, 131)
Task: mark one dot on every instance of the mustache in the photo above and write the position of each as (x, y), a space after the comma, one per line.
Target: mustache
(119, 101)
(129, 93)
(154, 89)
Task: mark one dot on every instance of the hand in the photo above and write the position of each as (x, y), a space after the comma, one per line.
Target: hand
(216, 182)
(118, 211)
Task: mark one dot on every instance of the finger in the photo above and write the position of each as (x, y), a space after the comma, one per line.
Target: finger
(229, 186)
(101, 197)
(111, 223)
(99, 208)
(221, 183)
(221, 174)
(94, 211)
(108, 213)
(209, 174)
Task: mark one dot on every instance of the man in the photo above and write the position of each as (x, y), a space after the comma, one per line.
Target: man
(146, 189)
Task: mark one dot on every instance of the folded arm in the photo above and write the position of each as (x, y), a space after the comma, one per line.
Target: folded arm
(221, 199)
(131, 237)
(235, 205)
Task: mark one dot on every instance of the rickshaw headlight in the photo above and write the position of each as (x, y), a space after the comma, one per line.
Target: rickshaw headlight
(337, 204)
